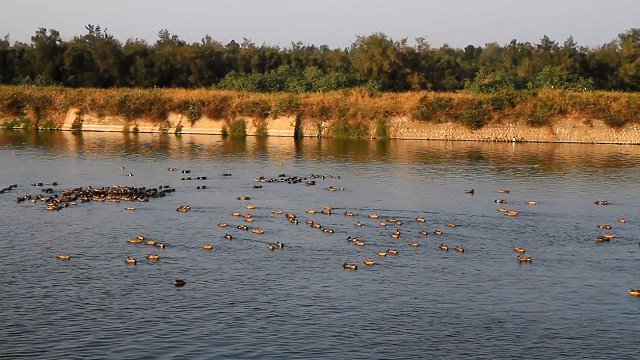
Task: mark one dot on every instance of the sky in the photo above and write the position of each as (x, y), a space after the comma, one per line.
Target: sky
(335, 23)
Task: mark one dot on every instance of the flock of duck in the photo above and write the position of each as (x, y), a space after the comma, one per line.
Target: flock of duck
(71, 197)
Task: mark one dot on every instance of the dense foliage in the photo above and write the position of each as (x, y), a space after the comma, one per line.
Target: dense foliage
(97, 59)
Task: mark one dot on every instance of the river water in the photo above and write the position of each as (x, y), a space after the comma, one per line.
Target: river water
(243, 301)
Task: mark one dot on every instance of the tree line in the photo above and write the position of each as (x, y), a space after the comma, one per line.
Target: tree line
(98, 60)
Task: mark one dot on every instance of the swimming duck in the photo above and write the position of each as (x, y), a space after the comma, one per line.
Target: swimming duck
(179, 283)
(383, 223)
(311, 211)
(452, 225)
(63, 256)
(328, 230)
(243, 227)
(207, 246)
(414, 244)
(500, 201)
(392, 251)
(316, 226)
(459, 249)
(249, 219)
(350, 266)
(421, 219)
(257, 231)
(373, 216)
(276, 212)
(228, 236)
(395, 234)
(349, 213)
(150, 242)
(222, 224)
(134, 241)
(503, 191)
(521, 258)
(130, 260)
(520, 250)
(511, 213)
(244, 198)
(470, 191)
(601, 202)
(129, 208)
(634, 292)
(358, 224)
(382, 253)
(359, 242)
(279, 244)
(438, 232)
(601, 239)
(622, 220)
(152, 257)
(609, 236)
(532, 203)
(502, 210)
(369, 262)
(160, 245)
(605, 226)
(424, 233)
(236, 213)
(250, 207)
(443, 247)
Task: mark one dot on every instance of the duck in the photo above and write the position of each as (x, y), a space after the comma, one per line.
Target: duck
(521, 258)
(152, 257)
(369, 262)
(383, 223)
(373, 216)
(179, 283)
(311, 211)
(316, 226)
(129, 208)
(349, 213)
(328, 230)
(207, 246)
(134, 241)
(249, 207)
(622, 220)
(452, 225)
(443, 247)
(601, 202)
(243, 227)
(520, 250)
(601, 239)
(360, 243)
(236, 213)
(470, 191)
(160, 245)
(502, 210)
(395, 234)
(459, 249)
(503, 191)
(276, 212)
(414, 244)
(634, 292)
(308, 222)
(511, 213)
(223, 224)
(228, 236)
(359, 224)
(382, 253)
(249, 219)
(500, 201)
(392, 251)
(130, 260)
(257, 231)
(605, 226)
(350, 266)
(609, 236)
(150, 242)
(63, 256)
(279, 244)
(532, 203)
(424, 233)
(438, 232)
(421, 219)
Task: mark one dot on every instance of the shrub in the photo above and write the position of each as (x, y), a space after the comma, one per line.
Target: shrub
(178, 129)
(257, 108)
(343, 129)
(431, 108)
(191, 108)
(238, 128)
(475, 118)
(218, 107)
(382, 129)
(288, 105)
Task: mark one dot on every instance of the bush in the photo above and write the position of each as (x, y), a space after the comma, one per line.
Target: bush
(343, 129)
(218, 107)
(238, 128)
(431, 108)
(475, 119)
(191, 108)
(288, 105)
(257, 108)
(382, 129)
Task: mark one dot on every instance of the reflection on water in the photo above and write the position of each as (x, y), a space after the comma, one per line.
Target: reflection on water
(243, 301)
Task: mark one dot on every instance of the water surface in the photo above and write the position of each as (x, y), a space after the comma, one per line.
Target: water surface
(242, 301)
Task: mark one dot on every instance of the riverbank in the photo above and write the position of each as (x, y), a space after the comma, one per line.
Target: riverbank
(547, 116)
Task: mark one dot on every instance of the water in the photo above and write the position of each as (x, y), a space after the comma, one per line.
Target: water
(242, 301)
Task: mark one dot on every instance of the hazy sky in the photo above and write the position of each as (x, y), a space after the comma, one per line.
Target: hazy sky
(332, 22)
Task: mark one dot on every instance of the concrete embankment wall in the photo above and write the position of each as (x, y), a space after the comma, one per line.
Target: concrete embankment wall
(560, 130)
